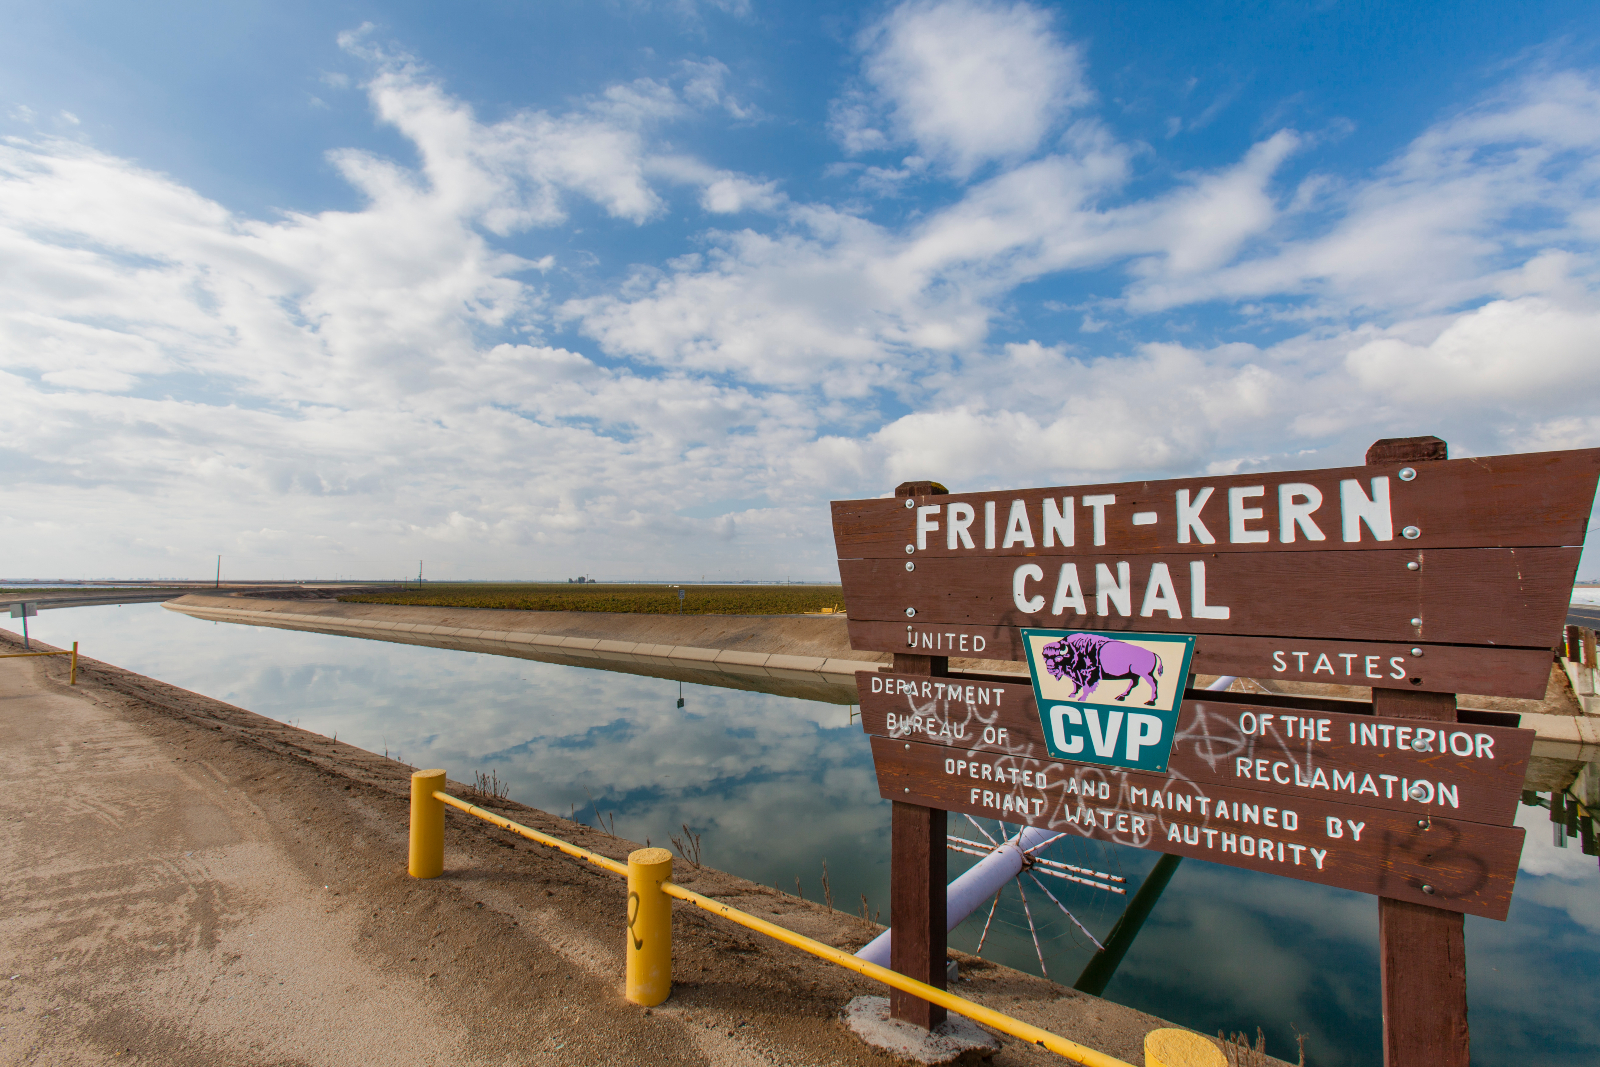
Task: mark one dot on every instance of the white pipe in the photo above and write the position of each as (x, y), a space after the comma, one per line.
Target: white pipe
(986, 877)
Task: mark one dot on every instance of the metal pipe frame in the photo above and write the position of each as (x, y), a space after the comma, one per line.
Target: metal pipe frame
(72, 671)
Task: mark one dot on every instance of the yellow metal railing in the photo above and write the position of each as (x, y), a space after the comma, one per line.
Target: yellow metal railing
(72, 672)
(649, 933)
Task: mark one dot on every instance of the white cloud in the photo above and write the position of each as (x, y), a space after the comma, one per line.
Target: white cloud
(1519, 351)
(967, 82)
(382, 381)
(734, 193)
(1492, 186)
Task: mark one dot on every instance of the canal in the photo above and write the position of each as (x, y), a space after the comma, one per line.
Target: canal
(777, 790)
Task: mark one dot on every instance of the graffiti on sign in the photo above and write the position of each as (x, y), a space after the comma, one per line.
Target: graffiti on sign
(1471, 773)
(1403, 808)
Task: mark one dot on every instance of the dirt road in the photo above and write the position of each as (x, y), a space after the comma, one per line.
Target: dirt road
(190, 883)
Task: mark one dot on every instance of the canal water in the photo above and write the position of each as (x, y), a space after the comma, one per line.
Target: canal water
(775, 788)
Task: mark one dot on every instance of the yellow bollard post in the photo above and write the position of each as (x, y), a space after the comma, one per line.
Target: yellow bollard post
(1181, 1048)
(427, 825)
(72, 674)
(649, 974)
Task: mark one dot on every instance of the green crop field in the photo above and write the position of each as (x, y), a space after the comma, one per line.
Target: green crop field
(637, 599)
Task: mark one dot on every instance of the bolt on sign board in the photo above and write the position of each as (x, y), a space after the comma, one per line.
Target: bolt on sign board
(1450, 576)
(1403, 808)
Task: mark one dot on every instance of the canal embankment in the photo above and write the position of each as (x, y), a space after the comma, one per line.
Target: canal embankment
(805, 656)
(193, 883)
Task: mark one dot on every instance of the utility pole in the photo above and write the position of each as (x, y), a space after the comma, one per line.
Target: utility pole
(419, 574)
(219, 572)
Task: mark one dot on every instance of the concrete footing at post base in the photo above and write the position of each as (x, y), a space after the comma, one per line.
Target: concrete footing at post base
(956, 1040)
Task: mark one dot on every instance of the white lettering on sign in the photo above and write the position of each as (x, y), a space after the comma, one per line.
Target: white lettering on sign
(1197, 595)
(1262, 848)
(1007, 802)
(1099, 505)
(1058, 522)
(1069, 592)
(1238, 515)
(959, 520)
(948, 641)
(1018, 532)
(1370, 735)
(1189, 521)
(1019, 593)
(1422, 739)
(1159, 595)
(1355, 508)
(1118, 593)
(1066, 723)
(930, 725)
(1114, 591)
(1298, 504)
(1369, 666)
(936, 689)
(1060, 715)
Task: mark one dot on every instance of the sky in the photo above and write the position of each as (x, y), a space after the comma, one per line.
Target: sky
(632, 289)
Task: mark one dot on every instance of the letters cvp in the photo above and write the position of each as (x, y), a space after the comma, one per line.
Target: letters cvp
(1068, 725)
(1242, 517)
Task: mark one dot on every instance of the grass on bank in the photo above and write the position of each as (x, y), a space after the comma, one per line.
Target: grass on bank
(633, 599)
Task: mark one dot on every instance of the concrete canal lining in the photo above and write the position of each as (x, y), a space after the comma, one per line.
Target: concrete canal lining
(806, 656)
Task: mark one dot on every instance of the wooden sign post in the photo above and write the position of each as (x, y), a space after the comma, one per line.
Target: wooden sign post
(1422, 950)
(1417, 576)
(918, 874)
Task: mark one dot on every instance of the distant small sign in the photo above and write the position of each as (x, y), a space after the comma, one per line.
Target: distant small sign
(1109, 698)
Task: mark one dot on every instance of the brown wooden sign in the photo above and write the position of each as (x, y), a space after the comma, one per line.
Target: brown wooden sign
(1414, 575)
(1406, 561)
(1371, 596)
(1466, 773)
(1440, 862)
(1481, 669)
(1520, 501)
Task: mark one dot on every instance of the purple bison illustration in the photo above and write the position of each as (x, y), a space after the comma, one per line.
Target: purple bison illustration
(1087, 659)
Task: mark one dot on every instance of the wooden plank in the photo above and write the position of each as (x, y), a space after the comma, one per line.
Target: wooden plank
(1421, 947)
(1533, 499)
(1465, 867)
(1486, 670)
(1422, 960)
(1405, 450)
(1360, 760)
(917, 877)
(1514, 597)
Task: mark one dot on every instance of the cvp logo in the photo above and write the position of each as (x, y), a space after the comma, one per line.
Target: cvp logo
(1067, 725)
(1084, 682)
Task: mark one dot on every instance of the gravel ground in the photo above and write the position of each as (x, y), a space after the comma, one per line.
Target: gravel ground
(188, 882)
